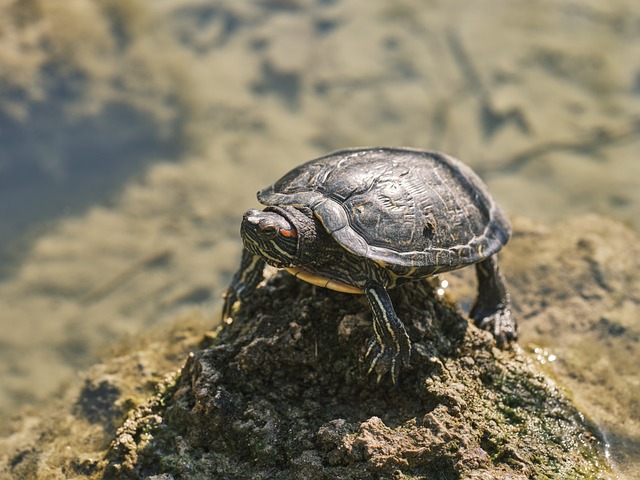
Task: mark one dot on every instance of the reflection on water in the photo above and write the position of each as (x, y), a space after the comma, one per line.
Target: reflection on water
(543, 356)
(140, 130)
(54, 166)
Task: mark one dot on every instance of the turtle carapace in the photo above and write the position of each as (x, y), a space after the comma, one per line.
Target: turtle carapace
(366, 220)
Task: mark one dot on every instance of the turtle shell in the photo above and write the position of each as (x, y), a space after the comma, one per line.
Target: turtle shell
(398, 206)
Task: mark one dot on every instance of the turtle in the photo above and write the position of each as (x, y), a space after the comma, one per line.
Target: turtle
(365, 220)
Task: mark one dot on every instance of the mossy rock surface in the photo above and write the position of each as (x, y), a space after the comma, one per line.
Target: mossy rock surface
(283, 392)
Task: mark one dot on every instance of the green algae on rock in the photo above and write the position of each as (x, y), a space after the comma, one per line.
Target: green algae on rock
(282, 393)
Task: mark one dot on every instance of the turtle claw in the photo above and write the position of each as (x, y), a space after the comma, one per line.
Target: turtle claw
(390, 347)
(243, 283)
(230, 297)
(492, 309)
(384, 360)
(501, 323)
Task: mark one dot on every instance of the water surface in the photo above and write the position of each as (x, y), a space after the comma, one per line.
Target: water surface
(134, 134)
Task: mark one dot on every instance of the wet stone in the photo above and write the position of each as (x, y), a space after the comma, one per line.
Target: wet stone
(97, 402)
(284, 393)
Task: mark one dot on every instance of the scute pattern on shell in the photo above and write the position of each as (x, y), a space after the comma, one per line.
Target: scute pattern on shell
(400, 206)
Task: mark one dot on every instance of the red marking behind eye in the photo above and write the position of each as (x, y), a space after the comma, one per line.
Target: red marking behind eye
(289, 233)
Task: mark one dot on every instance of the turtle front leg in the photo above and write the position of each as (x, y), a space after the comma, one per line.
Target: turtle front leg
(391, 346)
(244, 282)
(492, 309)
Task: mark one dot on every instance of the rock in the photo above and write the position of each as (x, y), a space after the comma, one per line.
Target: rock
(283, 392)
(578, 291)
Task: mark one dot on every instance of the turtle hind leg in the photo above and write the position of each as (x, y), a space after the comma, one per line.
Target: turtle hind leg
(391, 347)
(492, 309)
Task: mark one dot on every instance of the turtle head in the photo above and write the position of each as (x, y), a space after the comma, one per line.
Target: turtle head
(271, 235)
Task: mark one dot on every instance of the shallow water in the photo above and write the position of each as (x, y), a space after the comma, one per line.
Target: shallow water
(135, 133)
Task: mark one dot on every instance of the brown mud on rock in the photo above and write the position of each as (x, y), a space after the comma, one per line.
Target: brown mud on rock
(283, 392)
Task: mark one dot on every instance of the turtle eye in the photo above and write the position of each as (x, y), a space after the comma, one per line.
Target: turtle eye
(268, 230)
